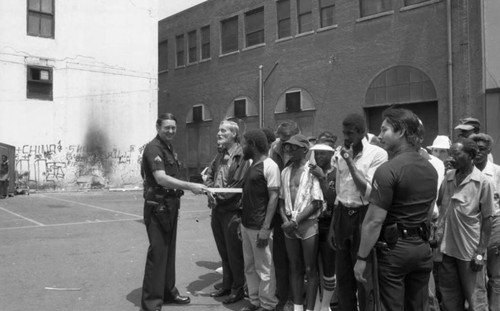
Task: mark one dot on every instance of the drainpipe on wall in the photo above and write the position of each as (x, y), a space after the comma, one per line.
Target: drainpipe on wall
(450, 68)
(261, 98)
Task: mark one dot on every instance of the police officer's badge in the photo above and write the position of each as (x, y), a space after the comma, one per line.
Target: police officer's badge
(157, 159)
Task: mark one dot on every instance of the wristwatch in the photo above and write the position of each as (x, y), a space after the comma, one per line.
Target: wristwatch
(478, 257)
(358, 257)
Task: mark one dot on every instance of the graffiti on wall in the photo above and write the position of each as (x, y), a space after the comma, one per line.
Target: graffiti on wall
(87, 165)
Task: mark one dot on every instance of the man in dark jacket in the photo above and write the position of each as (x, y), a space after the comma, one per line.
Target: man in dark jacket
(228, 171)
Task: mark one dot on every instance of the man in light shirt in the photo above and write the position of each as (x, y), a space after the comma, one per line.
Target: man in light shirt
(355, 162)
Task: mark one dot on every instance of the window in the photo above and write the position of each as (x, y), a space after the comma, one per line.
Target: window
(198, 113)
(327, 12)
(240, 108)
(370, 7)
(179, 41)
(304, 9)
(410, 2)
(192, 51)
(292, 101)
(284, 21)
(163, 56)
(254, 27)
(41, 18)
(39, 84)
(205, 42)
(229, 35)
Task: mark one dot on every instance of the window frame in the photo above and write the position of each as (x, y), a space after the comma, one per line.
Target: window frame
(323, 8)
(222, 42)
(287, 19)
(40, 14)
(205, 44)
(178, 51)
(380, 11)
(31, 81)
(303, 14)
(259, 30)
(163, 47)
(190, 51)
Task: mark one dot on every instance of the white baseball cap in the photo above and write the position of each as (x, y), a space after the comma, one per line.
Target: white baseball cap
(440, 142)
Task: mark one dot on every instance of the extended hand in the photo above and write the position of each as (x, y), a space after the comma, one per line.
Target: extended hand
(263, 238)
(288, 227)
(316, 171)
(476, 265)
(198, 188)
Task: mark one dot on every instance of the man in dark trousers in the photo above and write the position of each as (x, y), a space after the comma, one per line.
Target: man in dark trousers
(355, 162)
(403, 193)
(4, 177)
(228, 171)
(162, 192)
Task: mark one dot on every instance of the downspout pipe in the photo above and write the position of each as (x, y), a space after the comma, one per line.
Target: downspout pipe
(261, 101)
(450, 68)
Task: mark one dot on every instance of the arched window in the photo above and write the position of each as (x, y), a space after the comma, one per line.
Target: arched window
(241, 107)
(198, 113)
(294, 100)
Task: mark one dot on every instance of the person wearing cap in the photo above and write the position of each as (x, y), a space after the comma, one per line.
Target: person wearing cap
(440, 147)
(492, 171)
(466, 207)
(355, 163)
(467, 127)
(320, 167)
(285, 130)
(301, 201)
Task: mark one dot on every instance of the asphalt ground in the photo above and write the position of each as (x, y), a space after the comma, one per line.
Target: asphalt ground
(86, 251)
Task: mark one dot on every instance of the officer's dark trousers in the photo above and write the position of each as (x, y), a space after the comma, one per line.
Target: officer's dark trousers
(281, 262)
(404, 273)
(159, 274)
(225, 229)
(347, 226)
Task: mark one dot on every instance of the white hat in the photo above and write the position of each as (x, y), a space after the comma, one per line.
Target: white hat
(322, 147)
(441, 142)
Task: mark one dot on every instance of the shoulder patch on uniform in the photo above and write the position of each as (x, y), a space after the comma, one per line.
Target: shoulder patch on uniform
(375, 185)
(157, 159)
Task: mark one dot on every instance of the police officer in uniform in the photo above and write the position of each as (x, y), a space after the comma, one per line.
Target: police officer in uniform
(162, 192)
(403, 194)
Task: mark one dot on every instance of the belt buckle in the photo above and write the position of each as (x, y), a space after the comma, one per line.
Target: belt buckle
(351, 212)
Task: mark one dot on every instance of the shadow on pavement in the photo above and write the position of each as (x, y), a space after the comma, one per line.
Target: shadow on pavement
(135, 296)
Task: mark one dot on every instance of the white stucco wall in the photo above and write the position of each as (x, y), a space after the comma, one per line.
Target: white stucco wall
(104, 59)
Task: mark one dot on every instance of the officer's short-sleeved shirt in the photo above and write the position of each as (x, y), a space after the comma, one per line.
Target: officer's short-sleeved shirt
(158, 156)
(405, 186)
(261, 177)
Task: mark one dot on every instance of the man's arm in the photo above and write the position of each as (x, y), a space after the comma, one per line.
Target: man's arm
(265, 230)
(370, 232)
(170, 182)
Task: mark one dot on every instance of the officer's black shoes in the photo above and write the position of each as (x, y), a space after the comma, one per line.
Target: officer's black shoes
(221, 292)
(180, 300)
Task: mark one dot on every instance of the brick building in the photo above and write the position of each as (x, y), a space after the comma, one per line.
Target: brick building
(315, 61)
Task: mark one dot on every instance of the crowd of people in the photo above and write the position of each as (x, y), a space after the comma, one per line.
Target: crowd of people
(370, 223)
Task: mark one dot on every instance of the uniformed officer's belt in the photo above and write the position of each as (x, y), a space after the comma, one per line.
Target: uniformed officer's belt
(169, 192)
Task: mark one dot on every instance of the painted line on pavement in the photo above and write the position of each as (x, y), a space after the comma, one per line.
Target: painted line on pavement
(25, 218)
(90, 205)
(73, 223)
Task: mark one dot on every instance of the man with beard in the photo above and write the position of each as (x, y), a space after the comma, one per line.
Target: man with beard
(404, 190)
(260, 198)
(492, 171)
(466, 207)
(355, 162)
(228, 171)
(162, 192)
